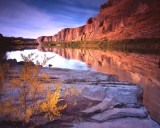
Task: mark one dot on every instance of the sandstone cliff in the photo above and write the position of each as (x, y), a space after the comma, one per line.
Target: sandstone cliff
(118, 19)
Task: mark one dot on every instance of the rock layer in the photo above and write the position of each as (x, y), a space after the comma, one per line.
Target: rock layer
(102, 101)
(117, 20)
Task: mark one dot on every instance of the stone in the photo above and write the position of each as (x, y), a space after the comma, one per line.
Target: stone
(102, 104)
(116, 113)
(119, 123)
(124, 96)
(50, 65)
(68, 76)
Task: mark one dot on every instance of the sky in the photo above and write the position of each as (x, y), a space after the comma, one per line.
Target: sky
(34, 18)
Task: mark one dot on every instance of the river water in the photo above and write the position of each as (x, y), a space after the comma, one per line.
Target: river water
(140, 69)
(56, 60)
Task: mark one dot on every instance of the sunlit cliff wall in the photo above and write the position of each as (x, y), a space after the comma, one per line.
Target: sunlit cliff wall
(117, 19)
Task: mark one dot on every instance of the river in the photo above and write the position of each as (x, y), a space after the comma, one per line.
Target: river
(140, 69)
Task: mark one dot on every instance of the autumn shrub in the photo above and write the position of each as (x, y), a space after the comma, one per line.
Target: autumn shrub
(29, 95)
(49, 106)
(27, 89)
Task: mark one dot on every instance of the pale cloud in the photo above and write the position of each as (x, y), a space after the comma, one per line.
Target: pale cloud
(19, 19)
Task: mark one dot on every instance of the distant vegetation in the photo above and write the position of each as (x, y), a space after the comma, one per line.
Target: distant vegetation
(10, 43)
(5, 44)
(143, 46)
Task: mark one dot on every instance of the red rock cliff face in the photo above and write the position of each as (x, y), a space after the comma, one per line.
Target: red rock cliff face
(118, 19)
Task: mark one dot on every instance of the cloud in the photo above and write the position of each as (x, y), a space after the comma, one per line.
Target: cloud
(19, 19)
(28, 18)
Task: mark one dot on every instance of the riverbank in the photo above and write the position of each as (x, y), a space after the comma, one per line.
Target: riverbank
(142, 46)
(101, 101)
(12, 43)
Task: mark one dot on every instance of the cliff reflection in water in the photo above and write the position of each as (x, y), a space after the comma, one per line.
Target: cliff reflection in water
(140, 69)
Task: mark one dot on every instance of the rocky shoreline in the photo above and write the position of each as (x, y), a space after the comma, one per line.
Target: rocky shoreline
(131, 67)
(103, 101)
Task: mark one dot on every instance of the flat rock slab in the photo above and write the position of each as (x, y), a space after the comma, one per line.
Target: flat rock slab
(109, 106)
(119, 123)
(117, 96)
(97, 98)
(102, 102)
(120, 113)
(70, 76)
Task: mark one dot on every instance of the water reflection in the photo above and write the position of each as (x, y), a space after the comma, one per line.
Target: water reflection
(140, 69)
(56, 62)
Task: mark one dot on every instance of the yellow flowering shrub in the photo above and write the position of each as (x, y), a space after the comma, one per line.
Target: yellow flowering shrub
(50, 107)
